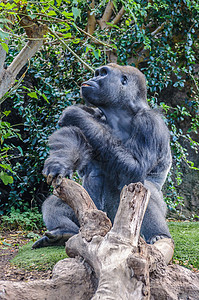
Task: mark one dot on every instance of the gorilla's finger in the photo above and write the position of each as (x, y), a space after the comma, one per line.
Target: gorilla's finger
(59, 180)
(49, 179)
(44, 174)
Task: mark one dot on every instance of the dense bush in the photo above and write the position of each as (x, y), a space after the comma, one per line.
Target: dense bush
(28, 220)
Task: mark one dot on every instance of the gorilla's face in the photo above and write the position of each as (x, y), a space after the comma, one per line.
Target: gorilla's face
(115, 86)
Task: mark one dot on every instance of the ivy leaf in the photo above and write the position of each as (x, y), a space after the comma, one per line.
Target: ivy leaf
(20, 149)
(51, 13)
(7, 112)
(5, 47)
(6, 178)
(5, 166)
(97, 53)
(67, 15)
(33, 95)
(76, 12)
(59, 2)
(45, 98)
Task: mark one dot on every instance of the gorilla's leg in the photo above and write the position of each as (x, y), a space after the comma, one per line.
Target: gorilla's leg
(93, 182)
(60, 221)
(154, 225)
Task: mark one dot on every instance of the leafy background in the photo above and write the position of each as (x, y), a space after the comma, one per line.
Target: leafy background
(159, 37)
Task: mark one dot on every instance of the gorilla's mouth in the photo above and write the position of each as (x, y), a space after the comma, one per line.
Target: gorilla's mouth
(85, 84)
(89, 83)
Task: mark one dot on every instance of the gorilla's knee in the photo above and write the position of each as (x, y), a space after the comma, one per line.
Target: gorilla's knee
(60, 221)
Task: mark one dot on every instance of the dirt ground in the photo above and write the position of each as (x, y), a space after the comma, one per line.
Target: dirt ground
(10, 241)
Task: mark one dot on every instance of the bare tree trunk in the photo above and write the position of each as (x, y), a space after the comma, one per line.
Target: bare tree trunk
(109, 263)
(35, 33)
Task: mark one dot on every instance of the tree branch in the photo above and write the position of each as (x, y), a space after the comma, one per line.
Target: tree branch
(91, 19)
(134, 199)
(118, 16)
(35, 33)
(2, 56)
(57, 20)
(106, 16)
(70, 50)
(158, 29)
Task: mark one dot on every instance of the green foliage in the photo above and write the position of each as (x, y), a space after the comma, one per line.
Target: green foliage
(185, 235)
(8, 151)
(30, 219)
(38, 259)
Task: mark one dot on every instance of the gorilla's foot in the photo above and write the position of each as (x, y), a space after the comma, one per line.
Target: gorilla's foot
(166, 247)
(156, 238)
(50, 239)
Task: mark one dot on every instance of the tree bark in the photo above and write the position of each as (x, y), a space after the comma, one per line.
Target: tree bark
(108, 263)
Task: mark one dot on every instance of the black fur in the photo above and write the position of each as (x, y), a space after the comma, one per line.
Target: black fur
(119, 142)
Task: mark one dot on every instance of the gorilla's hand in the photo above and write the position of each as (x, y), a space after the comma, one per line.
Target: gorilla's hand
(69, 151)
(55, 167)
(73, 115)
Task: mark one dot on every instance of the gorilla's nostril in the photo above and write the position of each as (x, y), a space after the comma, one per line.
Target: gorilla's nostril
(103, 71)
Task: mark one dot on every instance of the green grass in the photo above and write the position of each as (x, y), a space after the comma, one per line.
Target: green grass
(186, 238)
(185, 235)
(39, 259)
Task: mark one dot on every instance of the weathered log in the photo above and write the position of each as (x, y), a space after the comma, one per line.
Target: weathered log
(121, 267)
(109, 263)
(92, 221)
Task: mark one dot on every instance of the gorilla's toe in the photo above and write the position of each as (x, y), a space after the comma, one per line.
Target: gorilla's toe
(157, 238)
(42, 242)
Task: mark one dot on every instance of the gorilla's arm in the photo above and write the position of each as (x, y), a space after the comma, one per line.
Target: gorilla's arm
(69, 151)
(132, 161)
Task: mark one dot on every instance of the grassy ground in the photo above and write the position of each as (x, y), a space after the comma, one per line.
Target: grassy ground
(40, 259)
(185, 235)
(186, 238)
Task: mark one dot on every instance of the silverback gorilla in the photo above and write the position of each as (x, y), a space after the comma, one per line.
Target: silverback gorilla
(113, 140)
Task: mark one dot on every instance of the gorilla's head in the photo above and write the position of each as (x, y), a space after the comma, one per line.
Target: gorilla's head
(116, 87)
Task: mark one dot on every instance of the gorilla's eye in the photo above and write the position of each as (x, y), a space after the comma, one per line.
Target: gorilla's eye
(124, 80)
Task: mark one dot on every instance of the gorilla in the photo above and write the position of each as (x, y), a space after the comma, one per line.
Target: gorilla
(114, 140)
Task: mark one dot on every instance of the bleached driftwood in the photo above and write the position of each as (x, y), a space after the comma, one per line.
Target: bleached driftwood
(120, 264)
